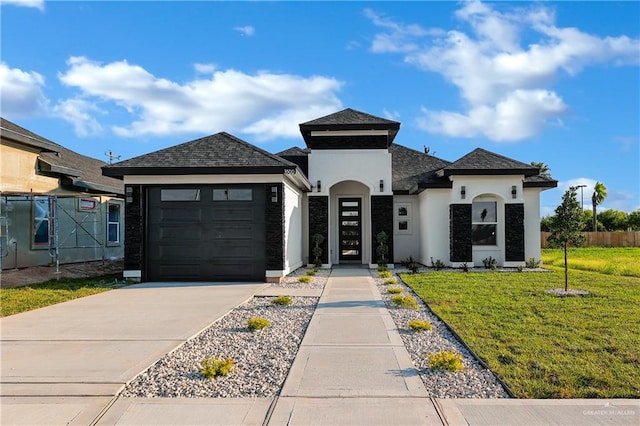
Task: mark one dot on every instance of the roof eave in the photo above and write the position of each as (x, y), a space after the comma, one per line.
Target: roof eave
(119, 172)
(546, 185)
(486, 172)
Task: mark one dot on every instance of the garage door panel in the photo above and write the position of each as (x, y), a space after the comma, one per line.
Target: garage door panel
(206, 240)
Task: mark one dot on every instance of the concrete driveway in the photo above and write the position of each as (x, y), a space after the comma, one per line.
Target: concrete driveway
(91, 347)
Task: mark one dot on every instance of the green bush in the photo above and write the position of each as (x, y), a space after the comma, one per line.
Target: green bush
(419, 325)
(384, 274)
(282, 300)
(304, 279)
(437, 264)
(532, 263)
(490, 263)
(394, 290)
(445, 360)
(257, 323)
(311, 273)
(382, 268)
(390, 281)
(215, 367)
(407, 301)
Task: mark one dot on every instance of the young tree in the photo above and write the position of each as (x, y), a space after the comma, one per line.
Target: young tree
(565, 227)
(599, 194)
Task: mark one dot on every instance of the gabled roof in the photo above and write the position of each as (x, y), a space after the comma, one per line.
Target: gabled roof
(79, 171)
(294, 151)
(414, 170)
(483, 162)
(366, 131)
(221, 153)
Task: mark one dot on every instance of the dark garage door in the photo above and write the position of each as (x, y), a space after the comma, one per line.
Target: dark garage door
(206, 233)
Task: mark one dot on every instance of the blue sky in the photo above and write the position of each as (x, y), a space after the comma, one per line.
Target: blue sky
(557, 82)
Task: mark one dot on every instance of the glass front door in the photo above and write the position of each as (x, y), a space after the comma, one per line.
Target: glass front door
(350, 218)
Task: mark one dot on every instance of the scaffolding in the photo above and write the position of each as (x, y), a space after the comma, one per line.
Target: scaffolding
(55, 243)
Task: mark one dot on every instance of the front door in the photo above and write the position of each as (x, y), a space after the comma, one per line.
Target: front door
(350, 228)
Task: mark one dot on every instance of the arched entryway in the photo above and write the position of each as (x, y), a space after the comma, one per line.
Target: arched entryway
(350, 223)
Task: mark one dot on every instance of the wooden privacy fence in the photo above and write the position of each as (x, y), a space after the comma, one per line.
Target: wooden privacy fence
(603, 239)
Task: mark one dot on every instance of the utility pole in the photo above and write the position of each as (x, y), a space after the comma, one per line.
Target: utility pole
(581, 194)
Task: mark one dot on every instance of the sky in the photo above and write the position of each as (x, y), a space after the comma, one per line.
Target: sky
(551, 82)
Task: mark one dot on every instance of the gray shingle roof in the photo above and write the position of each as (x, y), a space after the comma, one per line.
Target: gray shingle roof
(414, 169)
(219, 153)
(81, 171)
(350, 116)
(483, 162)
(294, 151)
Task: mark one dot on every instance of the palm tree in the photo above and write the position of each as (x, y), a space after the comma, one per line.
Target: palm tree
(544, 169)
(599, 194)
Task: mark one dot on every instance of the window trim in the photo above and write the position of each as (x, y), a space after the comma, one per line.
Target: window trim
(398, 218)
(118, 224)
(493, 223)
(34, 218)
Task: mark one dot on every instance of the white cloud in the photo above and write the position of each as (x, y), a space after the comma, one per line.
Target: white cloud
(496, 75)
(391, 115)
(78, 112)
(265, 105)
(204, 68)
(246, 30)
(21, 92)
(38, 4)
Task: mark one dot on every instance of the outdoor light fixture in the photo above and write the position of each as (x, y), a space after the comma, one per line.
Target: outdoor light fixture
(513, 191)
(463, 191)
(381, 185)
(319, 186)
(274, 194)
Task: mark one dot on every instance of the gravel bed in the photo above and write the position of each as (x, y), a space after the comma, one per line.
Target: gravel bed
(262, 358)
(474, 381)
(317, 281)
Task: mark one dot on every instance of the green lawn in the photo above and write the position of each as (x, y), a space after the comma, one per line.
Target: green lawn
(21, 299)
(544, 346)
(612, 261)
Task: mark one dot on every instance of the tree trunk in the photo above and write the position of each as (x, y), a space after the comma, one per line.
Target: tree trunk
(566, 270)
(595, 217)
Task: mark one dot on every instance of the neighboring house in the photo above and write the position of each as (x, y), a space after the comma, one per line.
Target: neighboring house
(219, 208)
(55, 204)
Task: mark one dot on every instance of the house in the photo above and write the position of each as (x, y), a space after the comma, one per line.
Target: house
(219, 208)
(55, 204)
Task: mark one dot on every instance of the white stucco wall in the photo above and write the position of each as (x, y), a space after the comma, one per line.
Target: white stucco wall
(434, 225)
(368, 166)
(292, 228)
(532, 223)
(406, 242)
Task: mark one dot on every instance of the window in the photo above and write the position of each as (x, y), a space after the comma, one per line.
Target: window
(232, 195)
(403, 218)
(484, 223)
(113, 224)
(185, 194)
(41, 210)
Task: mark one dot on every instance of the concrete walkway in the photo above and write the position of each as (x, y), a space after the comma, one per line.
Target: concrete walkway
(64, 364)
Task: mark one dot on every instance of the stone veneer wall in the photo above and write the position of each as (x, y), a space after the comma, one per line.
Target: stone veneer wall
(319, 224)
(381, 220)
(133, 228)
(514, 232)
(274, 226)
(460, 238)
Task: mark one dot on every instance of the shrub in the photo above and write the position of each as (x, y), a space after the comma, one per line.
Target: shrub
(257, 323)
(282, 300)
(445, 360)
(520, 268)
(419, 325)
(317, 239)
(384, 274)
(304, 279)
(389, 281)
(311, 273)
(407, 302)
(411, 265)
(213, 368)
(438, 264)
(532, 263)
(394, 290)
(465, 267)
(490, 263)
(382, 268)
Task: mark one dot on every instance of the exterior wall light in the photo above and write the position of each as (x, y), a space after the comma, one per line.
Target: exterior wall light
(319, 186)
(514, 192)
(381, 185)
(463, 192)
